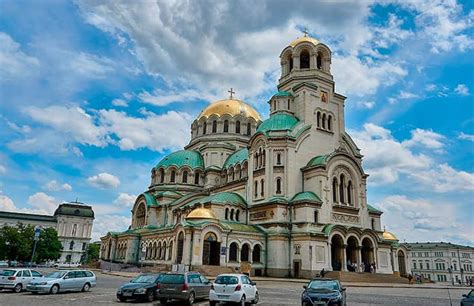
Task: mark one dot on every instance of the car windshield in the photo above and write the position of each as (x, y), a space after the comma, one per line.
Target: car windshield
(7, 272)
(172, 279)
(323, 285)
(227, 280)
(57, 274)
(144, 279)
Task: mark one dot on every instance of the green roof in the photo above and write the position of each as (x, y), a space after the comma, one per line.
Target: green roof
(318, 160)
(283, 93)
(306, 196)
(229, 225)
(78, 210)
(149, 199)
(236, 158)
(374, 210)
(278, 122)
(230, 198)
(182, 158)
(30, 217)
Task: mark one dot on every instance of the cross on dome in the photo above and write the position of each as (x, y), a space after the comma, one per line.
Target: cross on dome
(305, 31)
(231, 92)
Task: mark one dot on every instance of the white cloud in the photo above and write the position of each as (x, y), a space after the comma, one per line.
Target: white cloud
(119, 102)
(462, 90)
(91, 65)
(365, 104)
(125, 199)
(152, 131)
(14, 63)
(3, 169)
(465, 136)
(426, 138)
(443, 178)
(161, 97)
(42, 201)
(104, 180)
(109, 223)
(54, 185)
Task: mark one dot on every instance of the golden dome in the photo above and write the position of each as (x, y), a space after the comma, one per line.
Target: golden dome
(201, 213)
(304, 39)
(231, 107)
(389, 236)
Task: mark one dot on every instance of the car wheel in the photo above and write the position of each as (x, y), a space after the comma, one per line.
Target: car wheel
(54, 289)
(163, 301)
(255, 300)
(150, 296)
(191, 298)
(242, 300)
(212, 303)
(18, 288)
(86, 287)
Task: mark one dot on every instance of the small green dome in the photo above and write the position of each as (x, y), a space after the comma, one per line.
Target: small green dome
(278, 122)
(306, 196)
(182, 158)
(236, 158)
(283, 93)
(318, 160)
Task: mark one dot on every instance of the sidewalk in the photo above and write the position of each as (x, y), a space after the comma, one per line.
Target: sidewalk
(305, 281)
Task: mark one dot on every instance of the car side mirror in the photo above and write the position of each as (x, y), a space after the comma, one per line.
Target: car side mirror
(343, 289)
(253, 283)
(464, 295)
(305, 286)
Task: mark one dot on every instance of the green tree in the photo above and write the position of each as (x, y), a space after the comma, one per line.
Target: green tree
(92, 252)
(49, 247)
(16, 242)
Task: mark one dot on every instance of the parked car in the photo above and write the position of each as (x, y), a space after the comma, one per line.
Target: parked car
(236, 288)
(323, 291)
(185, 286)
(18, 279)
(3, 264)
(66, 265)
(68, 280)
(468, 299)
(143, 287)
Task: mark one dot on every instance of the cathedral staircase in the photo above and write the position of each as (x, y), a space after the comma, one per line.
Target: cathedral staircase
(156, 268)
(355, 277)
(214, 270)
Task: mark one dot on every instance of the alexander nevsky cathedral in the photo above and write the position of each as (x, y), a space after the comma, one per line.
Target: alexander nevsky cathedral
(287, 196)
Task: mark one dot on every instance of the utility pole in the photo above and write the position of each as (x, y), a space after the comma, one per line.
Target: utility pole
(36, 238)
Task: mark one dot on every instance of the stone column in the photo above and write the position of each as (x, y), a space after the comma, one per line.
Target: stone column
(187, 248)
(344, 258)
(359, 257)
(329, 256)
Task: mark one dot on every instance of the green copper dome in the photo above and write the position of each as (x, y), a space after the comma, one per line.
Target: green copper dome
(182, 158)
(283, 93)
(306, 196)
(236, 158)
(318, 160)
(278, 122)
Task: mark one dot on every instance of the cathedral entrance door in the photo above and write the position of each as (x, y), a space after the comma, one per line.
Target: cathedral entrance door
(351, 254)
(180, 248)
(337, 253)
(367, 254)
(211, 250)
(401, 264)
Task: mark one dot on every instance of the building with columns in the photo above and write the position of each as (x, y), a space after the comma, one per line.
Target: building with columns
(286, 195)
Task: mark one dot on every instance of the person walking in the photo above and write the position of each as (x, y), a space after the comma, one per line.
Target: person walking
(410, 278)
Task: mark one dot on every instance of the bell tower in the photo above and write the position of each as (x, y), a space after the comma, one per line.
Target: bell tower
(308, 87)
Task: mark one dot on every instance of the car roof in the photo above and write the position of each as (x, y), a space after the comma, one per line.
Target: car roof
(324, 279)
(231, 274)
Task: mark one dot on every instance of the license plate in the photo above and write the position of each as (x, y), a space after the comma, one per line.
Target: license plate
(127, 294)
(319, 303)
(222, 296)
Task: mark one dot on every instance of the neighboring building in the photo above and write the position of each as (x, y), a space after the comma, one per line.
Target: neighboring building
(287, 195)
(73, 222)
(442, 262)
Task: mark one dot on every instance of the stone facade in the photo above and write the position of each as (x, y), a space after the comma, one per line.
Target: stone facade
(287, 194)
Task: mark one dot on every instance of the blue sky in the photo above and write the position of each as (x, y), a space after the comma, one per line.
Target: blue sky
(94, 93)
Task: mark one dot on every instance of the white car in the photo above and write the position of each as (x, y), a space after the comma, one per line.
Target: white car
(235, 288)
(17, 279)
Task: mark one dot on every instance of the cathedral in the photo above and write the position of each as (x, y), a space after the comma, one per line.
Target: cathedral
(286, 196)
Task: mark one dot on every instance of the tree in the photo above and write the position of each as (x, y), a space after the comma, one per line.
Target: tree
(49, 247)
(93, 252)
(16, 242)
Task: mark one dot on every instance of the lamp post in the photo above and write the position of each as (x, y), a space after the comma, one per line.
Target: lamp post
(36, 238)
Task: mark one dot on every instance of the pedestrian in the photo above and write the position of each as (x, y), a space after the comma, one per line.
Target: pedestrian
(322, 272)
(371, 268)
(362, 266)
(410, 278)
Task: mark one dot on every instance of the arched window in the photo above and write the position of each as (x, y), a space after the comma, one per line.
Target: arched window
(372, 223)
(237, 215)
(185, 177)
(288, 104)
(349, 193)
(163, 252)
(318, 119)
(158, 253)
(233, 251)
(334, 190)
(315, 214)
(278, 159)
(170, 253)
(226, 126)
(173, 176)
(259, 158)
(304, 59)
(244, 253)
(71, 245)
(329, 122)
(274, 105)
(261, 188)
(319, 61)
(248, 129)
(226, 213)
(263, 159)
(204, 128)
(324, 121)
(237, 127)
(290, 62)
(278, 186)
(214, 126)
(232, 215)
(341, 189)
(256, 253)
(196, 178)
(162, 175)
(255, 189)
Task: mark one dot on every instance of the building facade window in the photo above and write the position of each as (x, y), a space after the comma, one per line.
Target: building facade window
(185, 177)
(278, 186)
(237, 127)
(226, 126)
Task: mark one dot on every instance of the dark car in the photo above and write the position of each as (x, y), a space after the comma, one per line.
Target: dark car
(468, 299)
(144, 287)
(323, 291)
(185, 286)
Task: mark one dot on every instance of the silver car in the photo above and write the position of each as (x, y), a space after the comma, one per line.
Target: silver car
(68, 280)
(17, 279)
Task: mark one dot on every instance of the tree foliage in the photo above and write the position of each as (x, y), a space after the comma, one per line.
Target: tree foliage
(49, 247)
(93, 252)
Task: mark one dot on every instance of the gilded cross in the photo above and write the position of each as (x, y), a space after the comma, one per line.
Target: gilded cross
(231, 92)
(305, 31)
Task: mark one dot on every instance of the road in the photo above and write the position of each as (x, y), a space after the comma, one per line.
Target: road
(271, 293)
